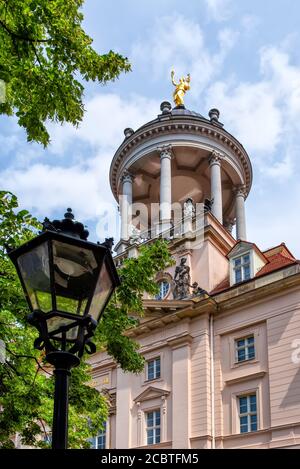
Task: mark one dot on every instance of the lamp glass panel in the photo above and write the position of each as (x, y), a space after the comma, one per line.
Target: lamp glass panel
(57, 322)
(102, 292)
(75, 269)
(35, 272)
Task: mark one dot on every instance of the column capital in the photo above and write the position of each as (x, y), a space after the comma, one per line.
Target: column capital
(240, 191)
(165, 151)
(127, 177)
(215, 158)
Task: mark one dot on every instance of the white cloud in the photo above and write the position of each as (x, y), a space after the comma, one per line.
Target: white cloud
(250, 23)
(178, 42)
(284, 78)
(266, 113)
(46, 189)
(250, 113)
(106, 117)
(281, 170)
(219, 10)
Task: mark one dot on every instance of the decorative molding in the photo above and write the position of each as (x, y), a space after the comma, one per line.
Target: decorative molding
(161, 445)
(127, 177)
(220, 135)
(180, 341)
(165, 151)
(248, 376)
(242, 247)
(229, 224)
(240, 191)
(163, 276)
(151, 393)
(215, 158)
(112, 403)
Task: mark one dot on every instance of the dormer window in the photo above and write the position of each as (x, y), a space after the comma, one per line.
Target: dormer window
(242, 268)
(245, 260)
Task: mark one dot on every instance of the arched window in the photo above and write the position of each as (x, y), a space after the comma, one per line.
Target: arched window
(164, 287)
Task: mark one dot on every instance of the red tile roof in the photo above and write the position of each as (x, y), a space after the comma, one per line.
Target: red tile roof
(281, 249)
(278, 257)
(277, 261)
(224, 285)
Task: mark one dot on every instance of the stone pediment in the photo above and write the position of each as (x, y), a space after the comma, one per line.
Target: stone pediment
(240, 248)
(151, 393)
(245, 246)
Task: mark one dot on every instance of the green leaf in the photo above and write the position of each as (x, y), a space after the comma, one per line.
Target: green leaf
(44, 54)
(26, 397)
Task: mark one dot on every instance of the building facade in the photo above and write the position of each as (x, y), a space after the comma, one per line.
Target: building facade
(221, 340)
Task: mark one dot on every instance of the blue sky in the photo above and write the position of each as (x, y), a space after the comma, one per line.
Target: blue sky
(244, 59)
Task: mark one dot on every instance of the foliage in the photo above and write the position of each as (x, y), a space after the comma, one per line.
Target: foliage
(44, 57)
(26, 382)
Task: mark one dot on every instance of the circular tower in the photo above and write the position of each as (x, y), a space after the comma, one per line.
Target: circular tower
(179, 156)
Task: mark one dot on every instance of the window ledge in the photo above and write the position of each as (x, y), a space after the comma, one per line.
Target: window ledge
(162, 444)
(150, 381)
(239, 379)
(245, 362)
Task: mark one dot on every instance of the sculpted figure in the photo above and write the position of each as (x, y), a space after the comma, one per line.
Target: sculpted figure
(188, 208)
(182, 280)
(180, 88)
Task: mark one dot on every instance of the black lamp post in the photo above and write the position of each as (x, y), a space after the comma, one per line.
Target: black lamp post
(67, 282)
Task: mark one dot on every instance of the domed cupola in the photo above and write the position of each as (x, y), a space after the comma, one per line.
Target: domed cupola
(179, 155)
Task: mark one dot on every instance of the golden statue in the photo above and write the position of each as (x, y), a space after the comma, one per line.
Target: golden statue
(181, 88)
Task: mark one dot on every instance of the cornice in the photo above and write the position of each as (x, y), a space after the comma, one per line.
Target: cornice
(257, 289)
(188, 124)
(151, 392)
(218, 304)
(180, 341)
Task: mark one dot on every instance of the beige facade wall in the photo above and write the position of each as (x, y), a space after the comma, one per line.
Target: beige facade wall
(270, 311)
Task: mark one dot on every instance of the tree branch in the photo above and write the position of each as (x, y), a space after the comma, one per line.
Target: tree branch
(40, 367)
(19, 36)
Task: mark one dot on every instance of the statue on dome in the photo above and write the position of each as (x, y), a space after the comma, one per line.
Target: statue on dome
(180, 88)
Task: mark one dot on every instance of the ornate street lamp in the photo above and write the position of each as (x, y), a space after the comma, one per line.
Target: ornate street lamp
(67, 282)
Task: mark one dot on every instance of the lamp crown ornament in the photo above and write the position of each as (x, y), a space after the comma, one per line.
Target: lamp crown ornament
(67, 226)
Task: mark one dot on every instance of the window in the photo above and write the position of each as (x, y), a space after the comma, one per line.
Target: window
(245, 349)
(241, 267)
(164, 288)
(153, 427)
(153, 368)
(248, 413)
(99, 441)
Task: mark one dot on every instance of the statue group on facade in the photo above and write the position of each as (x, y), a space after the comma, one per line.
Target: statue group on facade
(182, 281)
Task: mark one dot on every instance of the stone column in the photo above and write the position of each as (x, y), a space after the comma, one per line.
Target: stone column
(139, 425)
(181, 392)
(123, 414)
(165, 187)
(216, 185)
(164, 422)
(125, 203)
(240, 195)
